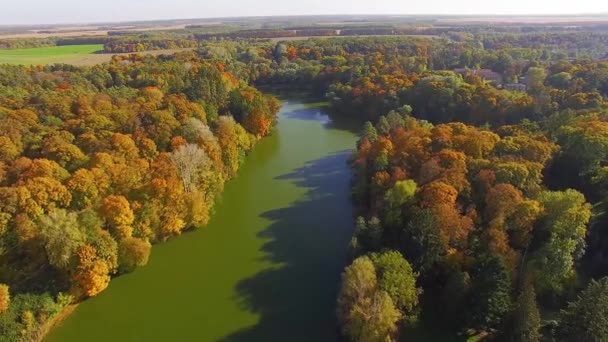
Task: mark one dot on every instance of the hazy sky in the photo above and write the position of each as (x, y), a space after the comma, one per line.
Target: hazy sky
(78, 11)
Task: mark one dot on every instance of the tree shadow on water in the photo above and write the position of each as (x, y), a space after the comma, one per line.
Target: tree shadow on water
(308, 114)
(309, 240)
(322, 114)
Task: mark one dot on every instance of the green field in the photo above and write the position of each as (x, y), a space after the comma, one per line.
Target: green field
(46, 55)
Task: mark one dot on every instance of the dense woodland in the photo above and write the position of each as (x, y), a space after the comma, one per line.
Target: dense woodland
(480, 179)
(482, 208)
(96, 164)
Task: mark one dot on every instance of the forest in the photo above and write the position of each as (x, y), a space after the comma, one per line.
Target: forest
(481, 207)
(479, 181)
(96, 164)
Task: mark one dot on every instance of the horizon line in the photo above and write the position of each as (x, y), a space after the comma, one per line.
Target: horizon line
(145, 20)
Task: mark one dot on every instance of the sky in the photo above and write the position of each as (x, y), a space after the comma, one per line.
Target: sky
(17, 12)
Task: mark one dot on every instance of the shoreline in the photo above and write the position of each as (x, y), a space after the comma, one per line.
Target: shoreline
(53, 322)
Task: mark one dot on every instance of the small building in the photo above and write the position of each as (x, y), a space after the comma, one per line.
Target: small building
(515, 86)
(486, 74)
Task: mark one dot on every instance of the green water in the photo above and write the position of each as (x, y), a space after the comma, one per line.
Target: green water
(267, 267)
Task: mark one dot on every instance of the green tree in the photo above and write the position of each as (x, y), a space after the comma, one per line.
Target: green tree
(396, 198)
(564, 224)
(383, 127)
(395, 119)
(454, 298)
(421, 241)
(369, 131)
(491, 296)
(61, 236)
(368, 234)
(560, 80)
(586, 318)
(106, 248)
(535, 79)
(396, 277)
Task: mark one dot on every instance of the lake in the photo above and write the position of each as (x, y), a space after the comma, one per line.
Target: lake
(266, 268)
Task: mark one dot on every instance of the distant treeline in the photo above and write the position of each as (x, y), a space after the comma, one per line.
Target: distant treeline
(306, 32)
(28, 43)
(137, 45)
(495, 37)
(457, 32)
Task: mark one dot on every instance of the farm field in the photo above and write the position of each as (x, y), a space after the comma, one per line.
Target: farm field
(80, 55)
(46, 55)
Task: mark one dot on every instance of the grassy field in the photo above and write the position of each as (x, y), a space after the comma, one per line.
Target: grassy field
(47, 55)
(79, 55)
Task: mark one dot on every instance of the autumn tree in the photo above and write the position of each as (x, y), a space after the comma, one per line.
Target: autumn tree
(46, 194)
(257, 123)
(117, 212)
(188, 160)
(59, 148)
(86, 187)
(91, 275)
(133, 253)
(8, 150)
(5, 298)
(365, 312)
(234, 143)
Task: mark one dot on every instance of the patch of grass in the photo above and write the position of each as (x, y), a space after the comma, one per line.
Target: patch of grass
(48, 55)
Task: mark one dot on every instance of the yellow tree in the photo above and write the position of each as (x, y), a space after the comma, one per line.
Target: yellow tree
(117, 212)
(5, 298)
(91, 275)
(228, 140)
(86, 186)
(48, 193)
(133, 252)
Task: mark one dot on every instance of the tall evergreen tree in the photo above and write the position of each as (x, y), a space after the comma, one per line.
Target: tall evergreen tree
(586, 318)
(491, 296)
(526, 320)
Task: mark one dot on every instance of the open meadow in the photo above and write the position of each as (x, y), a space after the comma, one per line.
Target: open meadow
(46, 55)
(79, 55)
